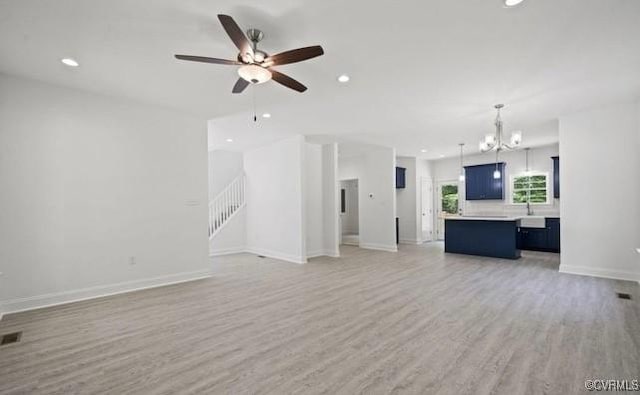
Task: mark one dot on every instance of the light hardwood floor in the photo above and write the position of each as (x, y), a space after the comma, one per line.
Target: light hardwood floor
(416, 321)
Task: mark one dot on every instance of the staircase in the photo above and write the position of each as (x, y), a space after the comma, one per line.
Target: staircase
(226, 204)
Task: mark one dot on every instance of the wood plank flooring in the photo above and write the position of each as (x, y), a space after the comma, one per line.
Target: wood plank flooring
(416, 321)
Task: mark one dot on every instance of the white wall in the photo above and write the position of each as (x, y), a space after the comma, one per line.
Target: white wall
(407, 202)
(330, 200)
(89, 181)
(224, 167)
(349, 220)
(423, 170)
(275, 200)
(313, 199)
(375, 170)
(600, 184)
(539, 160)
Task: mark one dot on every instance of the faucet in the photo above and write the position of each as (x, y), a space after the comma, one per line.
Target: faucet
(529, 211)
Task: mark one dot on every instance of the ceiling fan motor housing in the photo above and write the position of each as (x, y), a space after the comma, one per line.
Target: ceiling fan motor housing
(255, 35)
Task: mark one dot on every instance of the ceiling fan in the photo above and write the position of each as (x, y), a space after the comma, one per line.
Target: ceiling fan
(256, 65)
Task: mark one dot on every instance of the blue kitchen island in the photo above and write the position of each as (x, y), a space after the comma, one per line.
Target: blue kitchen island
(485, 236)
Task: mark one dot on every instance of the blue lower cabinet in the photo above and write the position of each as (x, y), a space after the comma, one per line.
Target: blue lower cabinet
(486, 238)
(553, 226)
(541, 239)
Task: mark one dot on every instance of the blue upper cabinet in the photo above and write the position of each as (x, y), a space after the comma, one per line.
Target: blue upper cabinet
(401, 179)
(556, 176)
(480, 184)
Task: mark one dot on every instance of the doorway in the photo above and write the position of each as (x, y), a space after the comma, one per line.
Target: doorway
(448, 203)
(349, 213)
(426, 210)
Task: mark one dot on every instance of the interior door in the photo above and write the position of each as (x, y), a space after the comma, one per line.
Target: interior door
(448, 203)
(427, 208)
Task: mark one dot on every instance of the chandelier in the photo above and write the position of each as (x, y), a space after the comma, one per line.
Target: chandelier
(494, 142)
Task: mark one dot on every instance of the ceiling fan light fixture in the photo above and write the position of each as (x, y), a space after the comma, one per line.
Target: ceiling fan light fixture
(254, 74)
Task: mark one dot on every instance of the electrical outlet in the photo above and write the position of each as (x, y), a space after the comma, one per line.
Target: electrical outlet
(132, 260)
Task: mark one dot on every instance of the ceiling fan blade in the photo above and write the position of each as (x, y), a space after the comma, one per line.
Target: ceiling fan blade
(287, 81)
(295, 55)
(236, 34)
(240, 85)
(208, 60)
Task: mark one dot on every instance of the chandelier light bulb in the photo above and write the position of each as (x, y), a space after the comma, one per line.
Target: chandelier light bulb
(496, 174)
(516, 138)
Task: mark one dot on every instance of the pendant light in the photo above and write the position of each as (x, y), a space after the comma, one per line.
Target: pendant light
(461, 177)
(526, 151)
(496, 173)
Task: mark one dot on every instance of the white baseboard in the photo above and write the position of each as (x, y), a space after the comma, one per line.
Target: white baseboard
(227, 251)
(58, 298)
(379, 247)
(276, 255)
(604, 273)
(315, 254)
(410, 241)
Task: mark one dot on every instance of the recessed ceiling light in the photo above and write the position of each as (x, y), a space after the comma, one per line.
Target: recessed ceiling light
(512, 3)
(343, 78)
(423, 150)
(229, 140)
(266, 115)
(70, 62)
(442, 156)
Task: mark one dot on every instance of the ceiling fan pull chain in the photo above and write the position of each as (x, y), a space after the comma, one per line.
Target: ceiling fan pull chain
(253, 92)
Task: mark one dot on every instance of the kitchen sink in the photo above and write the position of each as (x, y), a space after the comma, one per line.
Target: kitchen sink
(533, 221)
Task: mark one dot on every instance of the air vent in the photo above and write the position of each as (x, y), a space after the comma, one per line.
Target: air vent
(10, 338)
(622, 295)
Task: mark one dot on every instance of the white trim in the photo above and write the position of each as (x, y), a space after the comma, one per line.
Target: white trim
(65, 297)
(277, 255)
(379, 247)
(315, 254)
(597, 272)
(410, 241)
(227, 251)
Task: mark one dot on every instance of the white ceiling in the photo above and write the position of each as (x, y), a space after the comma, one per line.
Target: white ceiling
(424, 74)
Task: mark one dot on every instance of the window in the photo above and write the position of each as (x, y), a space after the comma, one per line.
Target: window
(532, 188)
(449, 198)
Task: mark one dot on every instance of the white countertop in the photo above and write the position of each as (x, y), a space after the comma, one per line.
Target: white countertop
(482, 218)
(496, 218)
